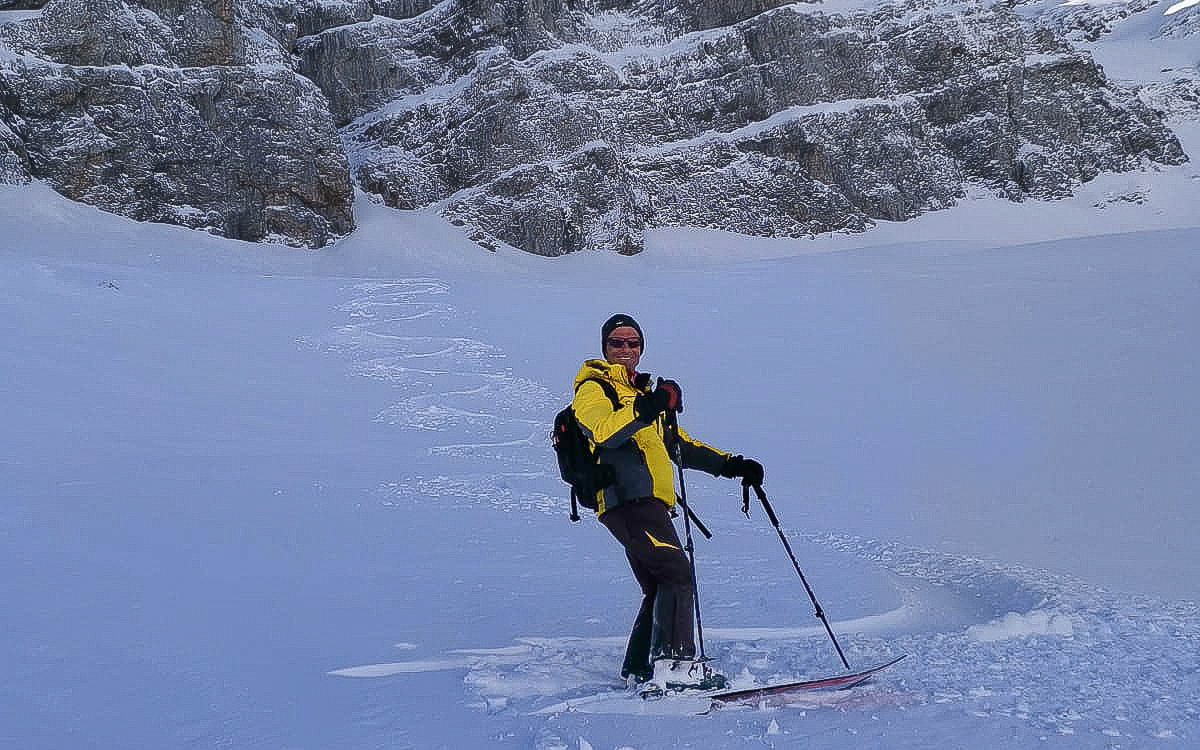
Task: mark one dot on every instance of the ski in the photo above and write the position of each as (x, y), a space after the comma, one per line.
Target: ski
(843, 682)
(704, 702)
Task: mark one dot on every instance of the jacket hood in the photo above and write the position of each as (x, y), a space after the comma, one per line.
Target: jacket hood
(599, 368)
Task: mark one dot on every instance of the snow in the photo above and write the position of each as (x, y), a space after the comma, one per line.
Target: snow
(777, 120)
(269, 498)
(14, 16)
(1017, 625)
(257, 497)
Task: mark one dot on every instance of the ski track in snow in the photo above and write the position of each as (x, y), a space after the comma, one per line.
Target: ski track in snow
(457, 389)
(988, 640)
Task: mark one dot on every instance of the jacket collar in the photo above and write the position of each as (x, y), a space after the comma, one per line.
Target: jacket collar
(599, 368)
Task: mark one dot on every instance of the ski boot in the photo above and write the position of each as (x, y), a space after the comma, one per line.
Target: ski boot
(682, 675)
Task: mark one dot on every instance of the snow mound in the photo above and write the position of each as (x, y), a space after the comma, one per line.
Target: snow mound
(1015, 625)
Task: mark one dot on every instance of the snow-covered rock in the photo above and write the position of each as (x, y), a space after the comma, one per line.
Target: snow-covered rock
(171, 114)
(556, 126)
(743, 117)
(14, 162)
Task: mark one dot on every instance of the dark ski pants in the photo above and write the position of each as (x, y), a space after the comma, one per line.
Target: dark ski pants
(664, 625)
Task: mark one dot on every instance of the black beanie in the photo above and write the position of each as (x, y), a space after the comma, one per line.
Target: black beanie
(615, 322)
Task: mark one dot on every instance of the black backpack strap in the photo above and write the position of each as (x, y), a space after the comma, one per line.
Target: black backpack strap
(608, 390)
(611, 392)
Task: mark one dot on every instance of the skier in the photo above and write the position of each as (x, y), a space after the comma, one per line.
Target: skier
(639, 502)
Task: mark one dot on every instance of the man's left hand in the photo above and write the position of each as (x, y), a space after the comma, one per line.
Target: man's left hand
(748, 469)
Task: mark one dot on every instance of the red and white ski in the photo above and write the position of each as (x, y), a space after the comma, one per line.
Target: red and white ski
(841, 682)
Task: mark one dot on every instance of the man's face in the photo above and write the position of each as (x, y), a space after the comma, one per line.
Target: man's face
(619, 347)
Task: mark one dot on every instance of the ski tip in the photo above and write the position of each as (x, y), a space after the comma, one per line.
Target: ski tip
(836, 682)
(896, 660)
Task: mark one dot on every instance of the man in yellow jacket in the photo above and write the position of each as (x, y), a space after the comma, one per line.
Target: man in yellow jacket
(637, 505)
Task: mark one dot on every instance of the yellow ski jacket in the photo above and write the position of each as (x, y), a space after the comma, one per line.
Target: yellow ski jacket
(639, 452)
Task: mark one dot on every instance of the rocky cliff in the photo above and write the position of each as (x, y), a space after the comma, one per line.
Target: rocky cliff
(177, 111)
(556, 125)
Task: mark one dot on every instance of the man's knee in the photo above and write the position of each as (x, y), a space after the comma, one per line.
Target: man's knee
(676, 570)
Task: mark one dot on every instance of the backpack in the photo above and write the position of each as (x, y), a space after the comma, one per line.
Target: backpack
(578, 464)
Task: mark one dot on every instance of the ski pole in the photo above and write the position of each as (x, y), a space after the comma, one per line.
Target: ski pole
(696, 520)
(762, 496)
(673, 426)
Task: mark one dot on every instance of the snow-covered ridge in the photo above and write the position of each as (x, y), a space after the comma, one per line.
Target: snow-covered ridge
(438, 106)
(571, 97)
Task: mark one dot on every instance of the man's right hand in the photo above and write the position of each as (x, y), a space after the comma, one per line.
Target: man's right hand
(666, 396)
(671, 394)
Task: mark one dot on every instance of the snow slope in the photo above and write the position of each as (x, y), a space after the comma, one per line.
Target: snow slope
(260, 499)
(254, 497)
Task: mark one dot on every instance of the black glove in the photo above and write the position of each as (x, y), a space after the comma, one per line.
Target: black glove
(667, 396)
(748, 469)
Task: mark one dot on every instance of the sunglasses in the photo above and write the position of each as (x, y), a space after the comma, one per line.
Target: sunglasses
(625, 343)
